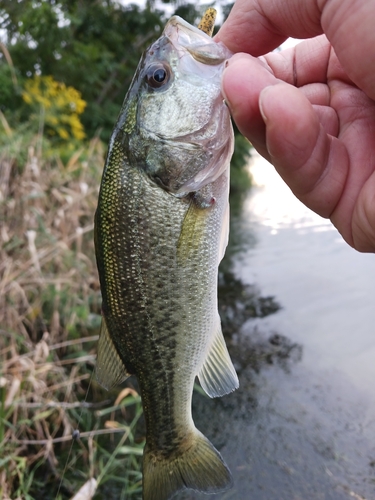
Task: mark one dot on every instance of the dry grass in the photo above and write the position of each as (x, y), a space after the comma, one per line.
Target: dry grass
(46, 241)
(49, 318)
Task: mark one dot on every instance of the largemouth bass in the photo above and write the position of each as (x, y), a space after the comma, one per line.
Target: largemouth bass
(161, 229)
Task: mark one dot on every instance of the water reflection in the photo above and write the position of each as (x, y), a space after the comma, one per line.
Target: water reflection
(239, 303)
(272, 205)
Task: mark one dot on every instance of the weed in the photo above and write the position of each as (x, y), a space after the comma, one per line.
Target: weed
(49, 322)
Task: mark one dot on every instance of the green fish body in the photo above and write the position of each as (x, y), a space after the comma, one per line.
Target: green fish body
(161, 229)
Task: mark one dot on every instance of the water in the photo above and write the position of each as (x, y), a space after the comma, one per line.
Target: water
(302, 424)
(327, 289)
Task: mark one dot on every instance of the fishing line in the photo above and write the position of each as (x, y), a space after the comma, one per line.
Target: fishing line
(75, 436)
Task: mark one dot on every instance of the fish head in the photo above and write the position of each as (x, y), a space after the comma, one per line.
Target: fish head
(177, 126)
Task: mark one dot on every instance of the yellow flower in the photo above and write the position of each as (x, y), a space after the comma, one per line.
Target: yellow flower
(61, 106)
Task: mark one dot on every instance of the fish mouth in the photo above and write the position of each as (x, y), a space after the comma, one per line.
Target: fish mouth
(200, 45)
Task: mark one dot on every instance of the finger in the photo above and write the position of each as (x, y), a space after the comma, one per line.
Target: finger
(349, 26)
(363, 226)
(245, 77)
(316, 166)
(242, 82)
(313, 163)
(259, 26)
(303, 64)
(356, 113)
(317, 93)
(328, 119)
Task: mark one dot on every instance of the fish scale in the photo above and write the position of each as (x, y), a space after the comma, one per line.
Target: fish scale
(160, 232)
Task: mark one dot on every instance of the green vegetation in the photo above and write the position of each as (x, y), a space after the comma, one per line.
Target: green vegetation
(91, 46)
(64, 69)
(49, 317)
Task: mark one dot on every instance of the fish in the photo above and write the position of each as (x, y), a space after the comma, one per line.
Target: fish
(161, 229)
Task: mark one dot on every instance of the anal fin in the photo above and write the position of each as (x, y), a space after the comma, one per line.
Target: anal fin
(218, 375)
(110, 369)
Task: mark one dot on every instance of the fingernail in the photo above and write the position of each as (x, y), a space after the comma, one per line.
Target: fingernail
(222, 86)
(262, 97)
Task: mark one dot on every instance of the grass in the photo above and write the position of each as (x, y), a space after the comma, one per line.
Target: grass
(49, 320)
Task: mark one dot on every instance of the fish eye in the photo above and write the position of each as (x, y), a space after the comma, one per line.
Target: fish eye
(158, 75)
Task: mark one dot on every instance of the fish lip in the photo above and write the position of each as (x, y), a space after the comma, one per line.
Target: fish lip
(199, 45)
(178, 22)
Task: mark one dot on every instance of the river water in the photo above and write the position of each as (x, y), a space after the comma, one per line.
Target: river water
(302, 424)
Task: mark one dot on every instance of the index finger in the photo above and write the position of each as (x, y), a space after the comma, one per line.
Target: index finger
(257, 27)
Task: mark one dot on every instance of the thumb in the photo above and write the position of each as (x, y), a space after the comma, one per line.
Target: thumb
(242, 81)
(313, 163)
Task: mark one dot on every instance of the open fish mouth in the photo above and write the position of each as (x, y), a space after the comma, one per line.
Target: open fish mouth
(199, 45)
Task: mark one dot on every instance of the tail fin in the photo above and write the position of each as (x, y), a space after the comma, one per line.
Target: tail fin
(199, 467)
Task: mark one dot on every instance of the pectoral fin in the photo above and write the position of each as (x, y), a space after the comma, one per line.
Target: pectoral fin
(110, 370)
(191, 233)
(224, 236)
(218, 376)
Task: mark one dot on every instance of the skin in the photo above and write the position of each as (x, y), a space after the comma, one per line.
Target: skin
(310, 110)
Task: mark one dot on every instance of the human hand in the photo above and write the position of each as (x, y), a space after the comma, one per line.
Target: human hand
(310, 110)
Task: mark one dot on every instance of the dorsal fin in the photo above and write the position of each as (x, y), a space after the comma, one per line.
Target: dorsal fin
(218, 375)
(110, 370)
